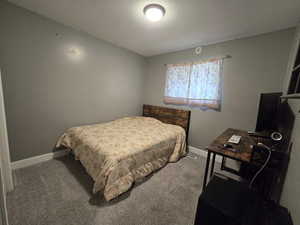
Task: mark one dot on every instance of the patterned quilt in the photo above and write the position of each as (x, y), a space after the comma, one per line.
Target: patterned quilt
(117, 153)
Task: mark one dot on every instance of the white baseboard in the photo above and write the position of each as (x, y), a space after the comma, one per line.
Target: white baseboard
(38, 159)
(43, 158)
(202, 153)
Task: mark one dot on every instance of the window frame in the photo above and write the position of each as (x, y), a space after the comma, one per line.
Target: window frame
(189, 101)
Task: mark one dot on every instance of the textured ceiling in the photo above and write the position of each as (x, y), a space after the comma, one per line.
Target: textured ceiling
(187, 23)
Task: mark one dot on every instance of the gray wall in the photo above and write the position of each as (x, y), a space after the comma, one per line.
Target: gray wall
(291, 192)
(48, 89)
(258, 64)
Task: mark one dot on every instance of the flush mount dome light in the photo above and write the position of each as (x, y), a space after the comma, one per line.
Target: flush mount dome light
(154, 12)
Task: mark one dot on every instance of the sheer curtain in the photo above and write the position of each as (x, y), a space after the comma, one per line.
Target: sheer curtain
(195, 84)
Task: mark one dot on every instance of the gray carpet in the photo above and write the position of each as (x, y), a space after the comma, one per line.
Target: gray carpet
(58, 192)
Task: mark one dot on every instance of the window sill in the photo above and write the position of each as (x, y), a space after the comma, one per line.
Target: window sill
(290, 96)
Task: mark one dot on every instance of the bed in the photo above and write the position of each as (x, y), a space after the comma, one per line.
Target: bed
(117, 153)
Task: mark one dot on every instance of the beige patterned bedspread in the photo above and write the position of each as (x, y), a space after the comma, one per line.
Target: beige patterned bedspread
(117, 153)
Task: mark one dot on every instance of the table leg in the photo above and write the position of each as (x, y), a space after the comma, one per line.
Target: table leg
(206, 170)
(212, 165)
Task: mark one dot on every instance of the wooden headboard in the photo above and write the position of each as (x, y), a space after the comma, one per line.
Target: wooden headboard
(178, 117)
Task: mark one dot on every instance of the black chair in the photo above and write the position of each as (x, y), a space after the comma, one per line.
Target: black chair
(226, 202)
(229, 202)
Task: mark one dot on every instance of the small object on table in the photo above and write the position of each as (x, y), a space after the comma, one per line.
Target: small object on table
(230, 147)
(227, 146)
(235, 139)
(275, 136)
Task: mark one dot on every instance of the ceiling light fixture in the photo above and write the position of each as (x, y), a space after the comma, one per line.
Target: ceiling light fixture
(154, 12)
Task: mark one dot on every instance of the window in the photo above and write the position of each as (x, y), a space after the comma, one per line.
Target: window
(195, 85)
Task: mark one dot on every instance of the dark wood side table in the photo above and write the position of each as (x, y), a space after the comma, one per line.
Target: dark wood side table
(242, 152)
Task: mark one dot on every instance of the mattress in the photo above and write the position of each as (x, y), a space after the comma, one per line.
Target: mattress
(117, 153)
